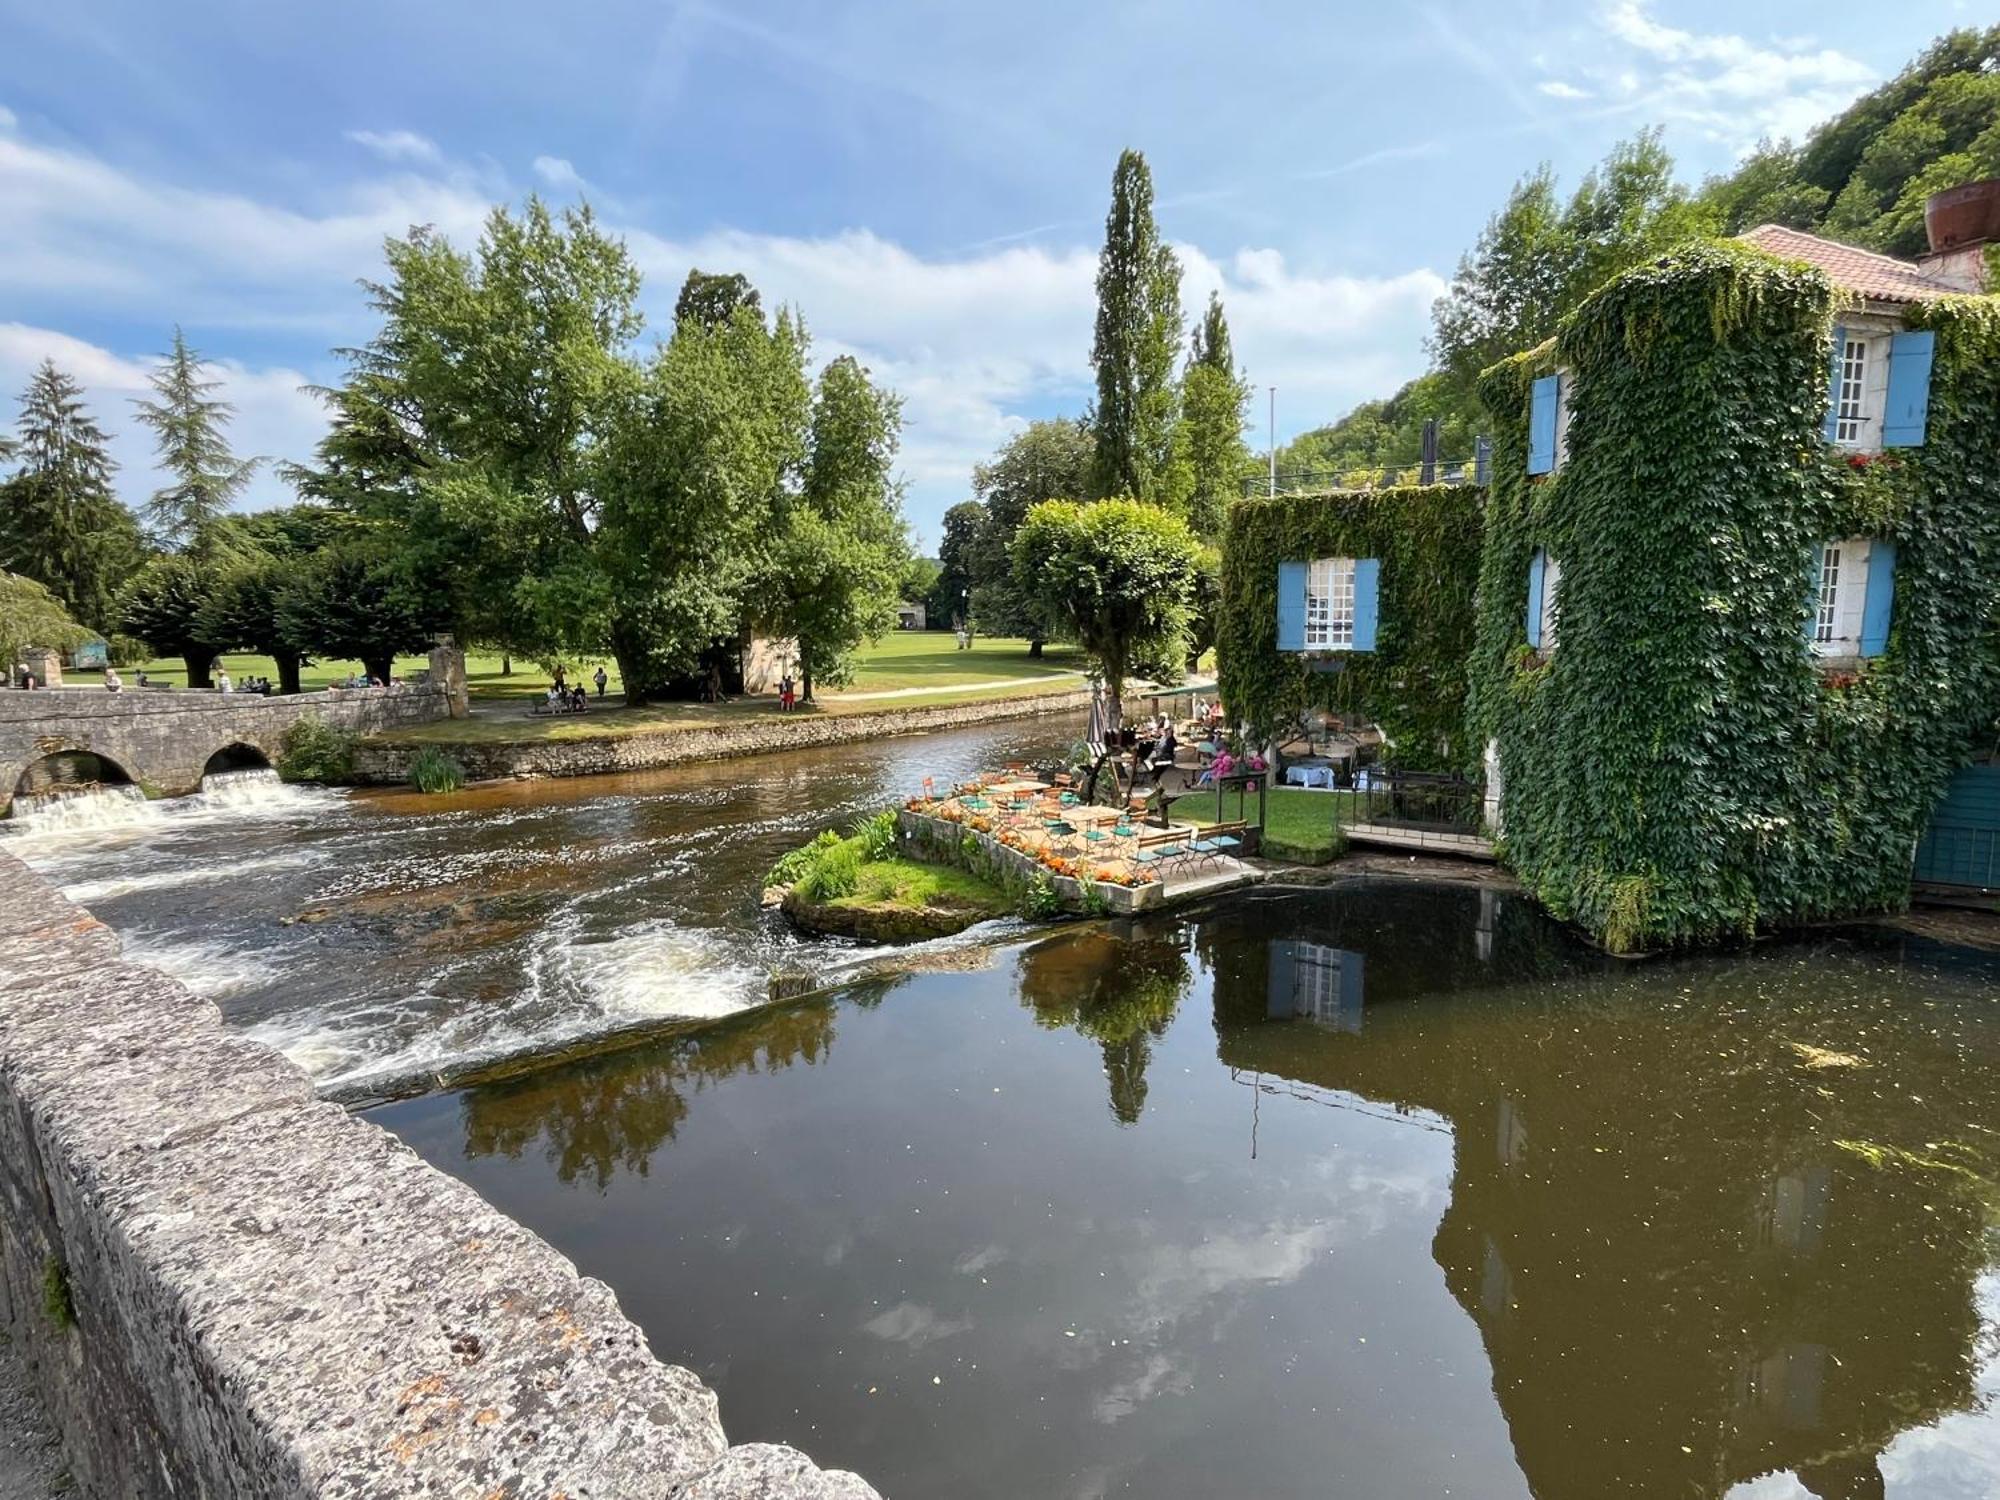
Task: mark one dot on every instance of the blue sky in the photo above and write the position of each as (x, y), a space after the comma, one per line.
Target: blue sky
(926, 182)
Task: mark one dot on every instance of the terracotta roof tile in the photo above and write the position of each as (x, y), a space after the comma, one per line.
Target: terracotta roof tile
(1881, 278)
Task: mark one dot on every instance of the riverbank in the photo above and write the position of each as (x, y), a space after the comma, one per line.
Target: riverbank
(491, 748)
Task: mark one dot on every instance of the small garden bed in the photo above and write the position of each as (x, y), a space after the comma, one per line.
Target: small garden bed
(860, 887)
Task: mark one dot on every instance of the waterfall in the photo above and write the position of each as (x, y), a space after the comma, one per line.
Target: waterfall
(101, 805)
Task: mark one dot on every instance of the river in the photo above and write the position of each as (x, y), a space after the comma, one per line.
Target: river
(1383, 1187)
(381, 939)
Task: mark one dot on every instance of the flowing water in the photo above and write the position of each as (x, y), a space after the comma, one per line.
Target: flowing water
(1381, 1189)
(1377, 1189)
(383, 939)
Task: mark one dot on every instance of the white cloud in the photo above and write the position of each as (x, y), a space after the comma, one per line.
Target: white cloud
(558, 173)
(274, 416)
(1731, 89)
(8, 120)
(975, 342)
(1555, 88)
(399, 145)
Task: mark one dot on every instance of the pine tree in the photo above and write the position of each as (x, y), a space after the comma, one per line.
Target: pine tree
(60, 523)
(187, 424)
(1138, 341)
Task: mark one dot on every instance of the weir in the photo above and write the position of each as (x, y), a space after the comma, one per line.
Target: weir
(227, 1287)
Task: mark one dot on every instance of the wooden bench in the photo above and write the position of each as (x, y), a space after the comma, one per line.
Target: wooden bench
(1218, 841)
(1157, 850)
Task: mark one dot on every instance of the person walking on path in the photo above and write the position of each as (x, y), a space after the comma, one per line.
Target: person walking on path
(601, 680)
(787, 695)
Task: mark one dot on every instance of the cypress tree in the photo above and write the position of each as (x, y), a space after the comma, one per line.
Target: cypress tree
(187, 424)
(1138, 341)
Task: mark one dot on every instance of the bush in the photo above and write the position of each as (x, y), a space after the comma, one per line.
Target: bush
(836, 873)
(313, 750)
(1039, 902)
(434, 771)
(794, 867)
(876, 835)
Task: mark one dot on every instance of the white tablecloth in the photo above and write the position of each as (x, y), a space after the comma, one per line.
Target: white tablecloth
(1310, 775)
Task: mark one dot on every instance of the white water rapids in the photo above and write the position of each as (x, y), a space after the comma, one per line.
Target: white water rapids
(384, 939)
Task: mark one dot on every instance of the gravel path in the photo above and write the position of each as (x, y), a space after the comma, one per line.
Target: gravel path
(31, 1462)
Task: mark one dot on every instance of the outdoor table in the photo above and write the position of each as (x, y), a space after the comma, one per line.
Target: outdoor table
(1309, 775)
(1017, 788)
(1089, 815)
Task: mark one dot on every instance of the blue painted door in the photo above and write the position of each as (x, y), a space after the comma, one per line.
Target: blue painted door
(1962, 845)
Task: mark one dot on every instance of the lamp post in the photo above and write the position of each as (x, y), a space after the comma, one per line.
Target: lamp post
(1273, 432)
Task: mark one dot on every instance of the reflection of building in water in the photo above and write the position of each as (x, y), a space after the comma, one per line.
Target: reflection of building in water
(1316, 983)
(1695, 1255)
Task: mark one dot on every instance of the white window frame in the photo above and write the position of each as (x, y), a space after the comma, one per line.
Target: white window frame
(1864, 387)
(1840, 597)
(1564, 380)
(1551, 581)
(1330, 604)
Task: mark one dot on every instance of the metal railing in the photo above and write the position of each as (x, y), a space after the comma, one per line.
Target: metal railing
(1423, 801)
(1474, 470)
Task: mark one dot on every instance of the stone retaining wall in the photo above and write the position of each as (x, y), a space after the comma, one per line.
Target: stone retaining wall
(386, 760)
(229, 1288)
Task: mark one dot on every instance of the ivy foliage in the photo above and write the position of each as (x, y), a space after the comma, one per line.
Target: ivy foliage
(1413, 684)
(1680, 767)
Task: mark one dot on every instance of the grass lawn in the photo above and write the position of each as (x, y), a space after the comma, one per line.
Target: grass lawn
(1294, 816)
(908, 885)
(929, 658)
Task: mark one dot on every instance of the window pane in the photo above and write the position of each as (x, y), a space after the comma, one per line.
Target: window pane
(1330, 604)
(1853, 370)
(1826, 628)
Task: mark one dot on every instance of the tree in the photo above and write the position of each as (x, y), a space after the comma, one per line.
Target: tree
(32, 616)
(696, 455)
(711, 298)
(919, 581)
(358, 602)
(1209, 444)
(244, 611)
(1119, 574)
(839, 566)
(1137, 343)
(187, 425)
(1046, 460)
(164, 606)
(60, 523)
(958, 553)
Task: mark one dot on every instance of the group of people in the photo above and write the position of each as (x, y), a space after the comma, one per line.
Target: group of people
(788, 694)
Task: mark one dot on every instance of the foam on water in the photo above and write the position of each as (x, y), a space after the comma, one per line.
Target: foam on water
(78, 808)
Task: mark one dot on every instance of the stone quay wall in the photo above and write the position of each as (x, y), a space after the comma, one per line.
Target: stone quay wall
(163, 739)
(229, 1288)
(385, 760)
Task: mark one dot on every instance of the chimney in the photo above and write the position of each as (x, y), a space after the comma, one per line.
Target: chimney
(1962, 223)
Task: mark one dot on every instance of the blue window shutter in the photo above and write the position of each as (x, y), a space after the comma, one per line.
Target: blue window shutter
(1291, 606)
(1815, 563)
(1542, 425)
(1909, 389)
(1537, 579)
(1833, 384)
(1880, 600)
(1367, 601)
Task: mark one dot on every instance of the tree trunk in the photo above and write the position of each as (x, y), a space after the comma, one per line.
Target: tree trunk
(1034, 648)
(197, 668)
(506, 665)
(625, 650)
(379, 667)
(288, 670)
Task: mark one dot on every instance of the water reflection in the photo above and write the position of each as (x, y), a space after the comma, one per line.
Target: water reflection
(1399, 1192)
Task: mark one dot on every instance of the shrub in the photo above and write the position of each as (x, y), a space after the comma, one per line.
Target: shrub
(794, 867)
(876, 835)
(1039, 902)
(434, 771)
(313, 750)
(836, 873)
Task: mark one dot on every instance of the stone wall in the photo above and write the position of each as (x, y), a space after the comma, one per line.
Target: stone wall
(387, 761)
(163, 739)
(229, 1288)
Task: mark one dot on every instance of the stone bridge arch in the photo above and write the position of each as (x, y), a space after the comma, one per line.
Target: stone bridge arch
(165, 741)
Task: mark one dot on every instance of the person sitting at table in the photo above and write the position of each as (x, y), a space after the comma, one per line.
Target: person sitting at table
(1162, 758)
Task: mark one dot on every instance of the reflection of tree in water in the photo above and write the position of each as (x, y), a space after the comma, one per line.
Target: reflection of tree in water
(1119, 988)
(614, 1110)
(1713, 1219)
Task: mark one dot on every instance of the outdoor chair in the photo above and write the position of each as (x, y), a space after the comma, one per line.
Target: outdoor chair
(1219, 841)
(1157, 850)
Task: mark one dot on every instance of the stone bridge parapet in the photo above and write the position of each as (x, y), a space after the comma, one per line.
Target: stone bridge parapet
(164, 740)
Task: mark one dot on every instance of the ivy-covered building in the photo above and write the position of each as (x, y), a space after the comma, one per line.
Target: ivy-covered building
(1739, 600)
